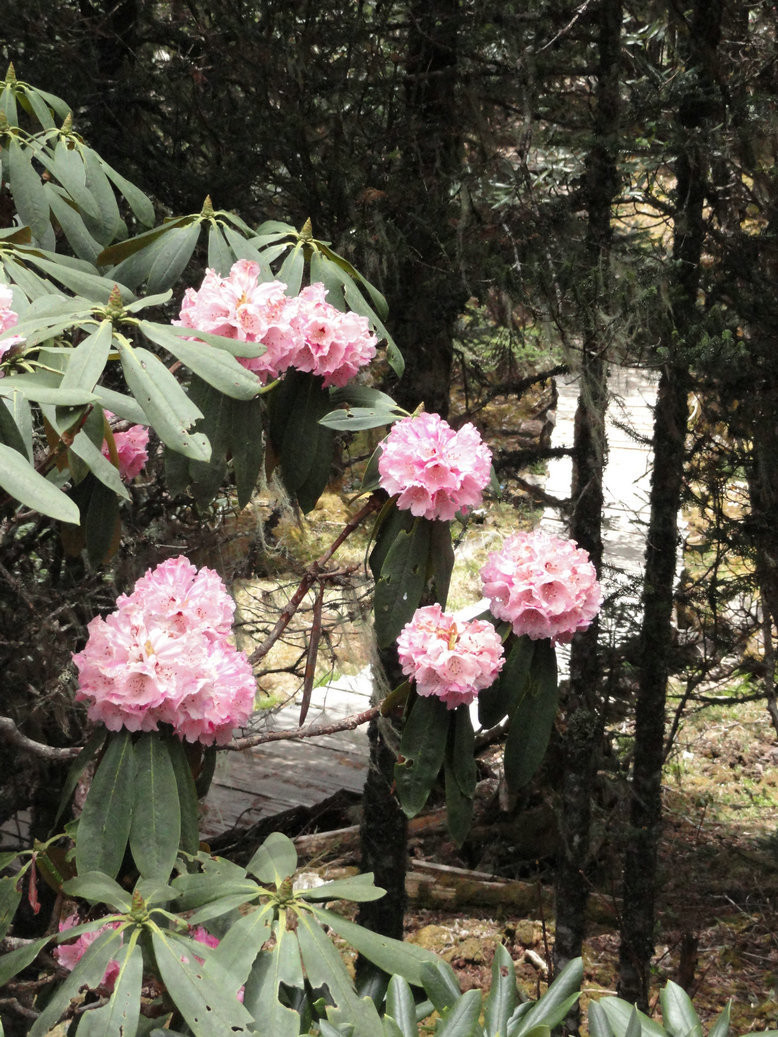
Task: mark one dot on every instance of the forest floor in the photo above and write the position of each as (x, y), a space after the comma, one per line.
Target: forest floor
(717, 905)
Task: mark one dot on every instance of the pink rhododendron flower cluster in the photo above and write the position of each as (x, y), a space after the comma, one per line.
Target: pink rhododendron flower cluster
(543, 585)
(453, 661)
(305, 332)
(131, 449)
(163, 657)
(70, 954)
(436, 471)
(8, 319)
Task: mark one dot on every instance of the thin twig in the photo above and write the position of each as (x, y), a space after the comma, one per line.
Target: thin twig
(313, 574)
(311, 731)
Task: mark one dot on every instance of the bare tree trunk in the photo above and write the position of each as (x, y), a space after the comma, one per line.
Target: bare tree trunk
(670, 426)
(429, 293)
(584, 722)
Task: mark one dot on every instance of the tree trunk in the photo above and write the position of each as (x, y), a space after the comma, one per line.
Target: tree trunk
(670, 425)
(583, 720)
(428, 295)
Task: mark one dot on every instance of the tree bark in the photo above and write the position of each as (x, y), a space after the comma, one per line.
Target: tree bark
(583, 720)
(670, 427)
(429, 294)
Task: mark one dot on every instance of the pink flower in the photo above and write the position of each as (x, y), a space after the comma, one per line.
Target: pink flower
(304, 332)
(335, 344)
(164, 657)
(70, 954)
(542, 585)
(436, 471)
(131, 449)
(453, 661)
(8, 319)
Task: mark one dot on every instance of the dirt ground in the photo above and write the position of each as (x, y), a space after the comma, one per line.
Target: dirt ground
(717, 907)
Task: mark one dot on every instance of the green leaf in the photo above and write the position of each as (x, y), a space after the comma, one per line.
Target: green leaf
(502, 999)
(305, 447)
(678, 1014)
(99, 888)
(389, 522)
(13, 962)
(93, 745)
(121, 405)
(501, 699)
(201, 993)
(401, 1006)
(75, 277)
(72, 223)
(83, 447)
(554, 1005)
(187, 796)
(359, 889)
(324, 966)
(720, 1027)
(104, 826)
(462, 1021)
(275, 860)
(10, 432)
(400, 587)
(36, 387)
(261, 996)
(422, 751)
(119, 1018)
(364, 407)
(440, 983)
(291, 270)
(67, 165)
(461, 775)
(87, 361)
(156, 813)
(598, 1021)
(533, 719)
(169, 410)
(171, 256)
(214, 366)
(243, 941)
(220, 256)
(28, 195)
(20, 480)
(101, 525)
(440, 564)
(136, 199)
(10, 898)
(108, 224)
(391, 956)
(233, 346)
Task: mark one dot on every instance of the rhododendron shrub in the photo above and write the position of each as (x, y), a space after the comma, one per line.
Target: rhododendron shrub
(435, 471)
(163, 657)
(304, 332)
(545, 587)
(452, 661)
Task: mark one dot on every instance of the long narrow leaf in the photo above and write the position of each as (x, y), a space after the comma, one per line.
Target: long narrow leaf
(156, 813)
(104, 826)
(20, 480)
(169, 409)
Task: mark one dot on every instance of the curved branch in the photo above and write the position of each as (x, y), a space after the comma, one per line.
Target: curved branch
(9, 732)
(311, 731)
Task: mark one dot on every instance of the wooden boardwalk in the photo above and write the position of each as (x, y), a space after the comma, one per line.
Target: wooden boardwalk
(277, 776)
